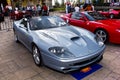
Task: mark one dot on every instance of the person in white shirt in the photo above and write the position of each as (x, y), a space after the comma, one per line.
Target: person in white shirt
(38, 9)
(77, 8)
(93, 8)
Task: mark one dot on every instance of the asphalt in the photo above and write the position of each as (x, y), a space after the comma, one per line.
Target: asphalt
(16, 63)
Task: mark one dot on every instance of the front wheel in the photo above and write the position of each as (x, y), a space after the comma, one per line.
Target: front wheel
(102, 35)
(15, 37)
(36, 56)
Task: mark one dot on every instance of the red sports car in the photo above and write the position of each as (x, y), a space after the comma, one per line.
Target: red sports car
(108, 30)
(112, 13)
(16, 15)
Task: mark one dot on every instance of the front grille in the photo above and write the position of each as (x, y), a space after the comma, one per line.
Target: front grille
(85, 62)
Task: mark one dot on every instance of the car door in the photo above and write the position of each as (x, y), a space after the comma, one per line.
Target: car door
(78, 20)
(25, 34)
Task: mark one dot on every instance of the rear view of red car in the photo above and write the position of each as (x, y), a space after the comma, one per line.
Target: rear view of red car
(112, 13)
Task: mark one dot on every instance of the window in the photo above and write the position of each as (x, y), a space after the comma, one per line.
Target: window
(33, 25)
(76, 15)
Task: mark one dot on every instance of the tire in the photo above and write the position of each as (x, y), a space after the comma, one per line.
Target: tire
(111, 16)
(16, 37)
(102, 35)
(36, 55)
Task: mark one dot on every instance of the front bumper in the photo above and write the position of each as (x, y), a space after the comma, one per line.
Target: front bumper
(115, 37)
(73, 64)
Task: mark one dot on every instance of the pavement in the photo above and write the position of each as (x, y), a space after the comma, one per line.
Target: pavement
(16, 63)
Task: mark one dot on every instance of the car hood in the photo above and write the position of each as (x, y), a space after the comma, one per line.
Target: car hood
(111, 22)
(71, 39)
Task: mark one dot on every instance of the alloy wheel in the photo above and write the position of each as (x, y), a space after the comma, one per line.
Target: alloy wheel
(36, 56)
(102, 35)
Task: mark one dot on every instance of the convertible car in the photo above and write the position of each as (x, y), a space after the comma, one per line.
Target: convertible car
(58, 45)
(112, 13)
(107, 29)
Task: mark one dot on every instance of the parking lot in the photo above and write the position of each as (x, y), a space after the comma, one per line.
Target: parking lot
(16, 63)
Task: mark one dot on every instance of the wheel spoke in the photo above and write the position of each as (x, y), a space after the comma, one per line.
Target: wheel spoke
(101, 35)
(36, 55)
(104, 36)
(100, 32)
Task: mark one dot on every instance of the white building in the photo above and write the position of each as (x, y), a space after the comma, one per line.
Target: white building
(86, 1)
(71, 1)
(108, 1)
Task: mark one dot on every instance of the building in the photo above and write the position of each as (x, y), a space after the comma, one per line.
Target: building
(48, 2)
(24, 2)
(109, 1)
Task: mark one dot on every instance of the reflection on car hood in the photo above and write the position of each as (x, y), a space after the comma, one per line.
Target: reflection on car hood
(71, 39)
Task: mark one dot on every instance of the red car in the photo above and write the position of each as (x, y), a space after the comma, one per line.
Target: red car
(112, 13)
(16, 15)
(108, 30)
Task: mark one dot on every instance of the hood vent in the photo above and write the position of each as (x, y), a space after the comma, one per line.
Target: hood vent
(75, 38)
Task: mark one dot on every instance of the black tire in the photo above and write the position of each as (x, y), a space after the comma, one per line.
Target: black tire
(36, 55)
(16, 37)
(102, 35)
(111, 16)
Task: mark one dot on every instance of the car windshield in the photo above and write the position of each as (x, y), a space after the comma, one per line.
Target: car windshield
(46, 22)
(92, 16)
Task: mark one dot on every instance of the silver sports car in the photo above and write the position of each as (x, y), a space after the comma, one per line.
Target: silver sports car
(57, 44)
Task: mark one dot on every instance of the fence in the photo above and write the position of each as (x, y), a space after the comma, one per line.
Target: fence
(7, 24)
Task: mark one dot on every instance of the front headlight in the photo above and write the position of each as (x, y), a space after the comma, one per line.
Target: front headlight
(57, 50)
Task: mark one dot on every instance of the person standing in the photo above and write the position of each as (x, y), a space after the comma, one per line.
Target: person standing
(88, 8)
(67, 7)
(77, 8)
(38, 9)
(44, 10)
(93, 8)
(72, 8)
